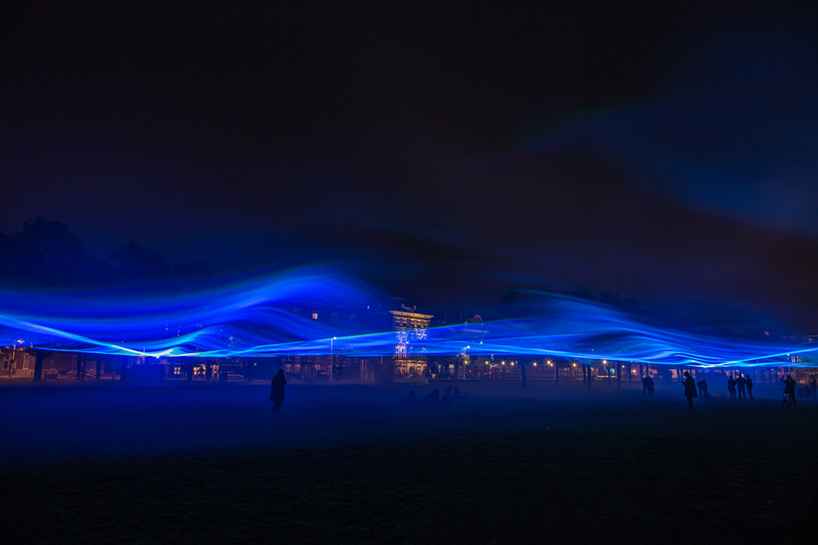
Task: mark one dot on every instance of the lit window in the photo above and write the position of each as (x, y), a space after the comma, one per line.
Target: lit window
(314, 315)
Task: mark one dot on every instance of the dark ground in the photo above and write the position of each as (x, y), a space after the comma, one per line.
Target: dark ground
(200, 463)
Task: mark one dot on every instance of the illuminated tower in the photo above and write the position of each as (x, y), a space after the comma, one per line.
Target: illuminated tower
(410, 330)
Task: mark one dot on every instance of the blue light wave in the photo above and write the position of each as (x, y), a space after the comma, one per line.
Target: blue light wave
(272, 316)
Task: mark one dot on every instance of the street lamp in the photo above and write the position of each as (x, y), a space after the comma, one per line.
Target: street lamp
(332, 357)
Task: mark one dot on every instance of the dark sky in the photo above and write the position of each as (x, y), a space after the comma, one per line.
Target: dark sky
(668, 154)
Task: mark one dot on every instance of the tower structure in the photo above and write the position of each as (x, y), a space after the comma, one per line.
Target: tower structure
(410, 331)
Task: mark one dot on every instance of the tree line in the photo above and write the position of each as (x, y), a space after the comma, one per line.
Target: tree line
(48, 254)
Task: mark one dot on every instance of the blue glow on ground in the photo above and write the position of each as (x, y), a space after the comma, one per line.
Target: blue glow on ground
(271, 316)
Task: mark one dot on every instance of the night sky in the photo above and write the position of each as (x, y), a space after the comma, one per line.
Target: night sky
(443, 154)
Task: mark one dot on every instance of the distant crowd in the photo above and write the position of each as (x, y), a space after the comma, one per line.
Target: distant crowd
(738, 387)
(434, 398)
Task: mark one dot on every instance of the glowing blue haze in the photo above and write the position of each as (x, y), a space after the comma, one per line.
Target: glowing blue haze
(271, 316)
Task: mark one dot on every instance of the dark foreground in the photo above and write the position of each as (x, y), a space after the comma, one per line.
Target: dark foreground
(352, 464)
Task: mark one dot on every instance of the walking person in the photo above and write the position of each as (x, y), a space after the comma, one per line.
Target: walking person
(277, 391)
(690, 390)
(750, 387)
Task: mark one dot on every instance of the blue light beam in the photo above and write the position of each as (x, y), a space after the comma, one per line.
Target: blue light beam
(270, 316)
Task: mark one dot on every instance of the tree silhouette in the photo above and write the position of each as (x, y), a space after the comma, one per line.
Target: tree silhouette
(132, 262)
(193, 274)
(47, 253)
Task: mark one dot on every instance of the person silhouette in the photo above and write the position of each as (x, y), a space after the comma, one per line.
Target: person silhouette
(690, 390)
(432, 398)
(647, 386)
(749, 384)
(789, 392)
(411, 400)
(702, 384)
(741, 382)
(731, 386)
(277, 391)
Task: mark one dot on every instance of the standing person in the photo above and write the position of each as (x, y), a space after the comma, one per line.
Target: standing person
(812, 385)
(411, 400)
(650, 387)
(789, 392)
(741, 382)
(277, 390)
(645, 386)
(731, 386)
(432, 398)
(690, 390)
(750, 387)
(702, 384)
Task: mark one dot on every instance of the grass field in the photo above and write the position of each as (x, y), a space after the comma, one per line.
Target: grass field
(352, 464)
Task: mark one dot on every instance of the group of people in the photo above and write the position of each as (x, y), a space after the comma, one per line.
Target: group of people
(744, 385)
(739, 388)
(434, 398)
(690, 387)
(809, 389)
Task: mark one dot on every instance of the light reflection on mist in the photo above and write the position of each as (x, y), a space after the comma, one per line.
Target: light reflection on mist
(272, 316)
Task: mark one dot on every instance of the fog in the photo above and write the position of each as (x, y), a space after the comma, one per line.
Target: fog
(73, 421)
